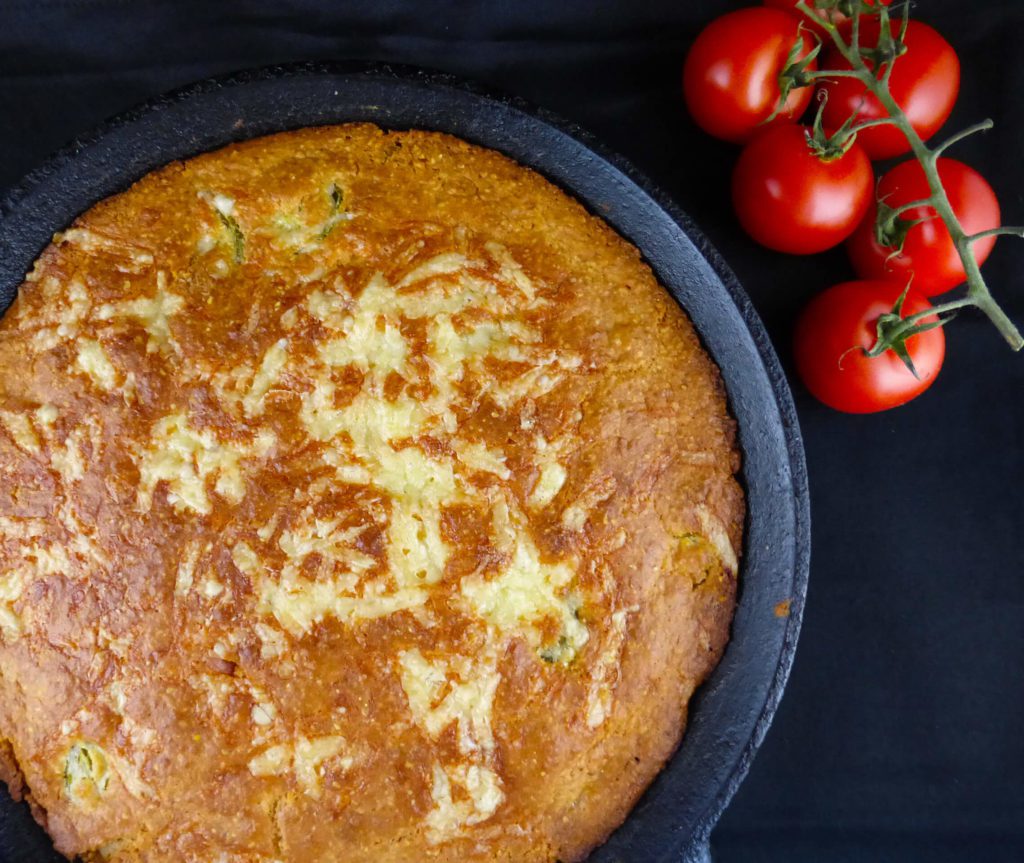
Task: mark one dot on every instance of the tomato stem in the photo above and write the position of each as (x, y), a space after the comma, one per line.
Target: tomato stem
(1004, 231)
(978, 293)
(983, 126)
(867, 124)
(913, 205)
(854, 34)
(826, 74)
(901, 41)
(940, 309)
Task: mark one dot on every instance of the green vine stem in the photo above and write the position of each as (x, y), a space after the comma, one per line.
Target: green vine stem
(978, 294)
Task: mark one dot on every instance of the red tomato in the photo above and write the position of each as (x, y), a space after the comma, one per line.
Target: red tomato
(839, 322)
(731, 75)
(925, 82)
(835, 16)
(929, 254)
(792, 200)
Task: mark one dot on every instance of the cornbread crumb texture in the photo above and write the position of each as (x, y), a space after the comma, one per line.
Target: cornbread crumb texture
(363, 499)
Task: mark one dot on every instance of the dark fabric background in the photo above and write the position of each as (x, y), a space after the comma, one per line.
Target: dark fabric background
(900, 736)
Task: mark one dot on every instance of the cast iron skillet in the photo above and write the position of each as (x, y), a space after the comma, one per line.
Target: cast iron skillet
(732, 711)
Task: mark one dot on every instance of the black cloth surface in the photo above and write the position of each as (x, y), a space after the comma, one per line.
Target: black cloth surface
(900, 735)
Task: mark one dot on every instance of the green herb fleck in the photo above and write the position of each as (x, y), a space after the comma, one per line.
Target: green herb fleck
(237, 237)
(85, 762)
(337, 215)
(561, 651)
(690, 540)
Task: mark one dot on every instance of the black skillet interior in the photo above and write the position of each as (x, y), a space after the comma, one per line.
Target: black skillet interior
(732, 711)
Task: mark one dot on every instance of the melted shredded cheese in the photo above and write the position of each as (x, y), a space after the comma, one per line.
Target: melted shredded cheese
(604, 675)
(153, 313)
(526, 590)
(305, 759)
(468, 689)
(186, 458)
(449, 817)
(711, 526)
(93, 362)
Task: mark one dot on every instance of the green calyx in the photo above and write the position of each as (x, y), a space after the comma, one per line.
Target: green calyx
(892, 331)
(828, 147)
(891, 229)
(889, 47)
(796, 73)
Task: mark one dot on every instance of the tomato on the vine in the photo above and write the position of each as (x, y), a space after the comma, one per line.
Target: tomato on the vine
(794, 195)
(840, 325)
(928, 255)
(925, 82)
(738, 67)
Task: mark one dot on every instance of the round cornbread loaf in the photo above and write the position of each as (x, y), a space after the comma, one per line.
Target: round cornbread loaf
(364, 499)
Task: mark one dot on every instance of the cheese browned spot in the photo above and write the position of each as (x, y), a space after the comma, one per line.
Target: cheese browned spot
(347, 482)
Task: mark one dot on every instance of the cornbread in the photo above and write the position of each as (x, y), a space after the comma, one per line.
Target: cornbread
(363, 499)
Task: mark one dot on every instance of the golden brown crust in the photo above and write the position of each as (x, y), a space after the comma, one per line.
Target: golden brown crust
(364, 499)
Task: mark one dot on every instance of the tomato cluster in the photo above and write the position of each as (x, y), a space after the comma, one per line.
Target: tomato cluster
(803, 188)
